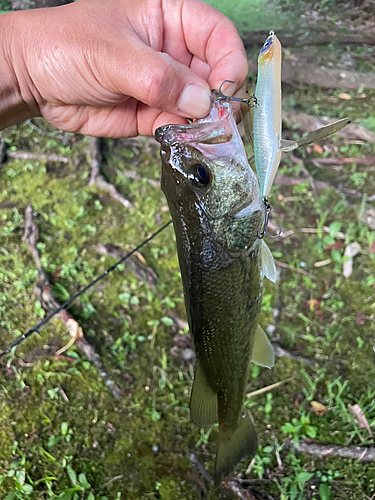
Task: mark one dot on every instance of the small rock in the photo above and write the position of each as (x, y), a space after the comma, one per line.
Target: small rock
(188, 354)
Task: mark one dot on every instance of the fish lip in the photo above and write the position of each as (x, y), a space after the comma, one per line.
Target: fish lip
(161, 133)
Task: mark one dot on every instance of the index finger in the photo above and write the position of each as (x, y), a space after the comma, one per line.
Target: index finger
(214, 39)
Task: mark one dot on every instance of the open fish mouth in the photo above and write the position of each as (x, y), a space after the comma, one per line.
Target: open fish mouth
(215, 128)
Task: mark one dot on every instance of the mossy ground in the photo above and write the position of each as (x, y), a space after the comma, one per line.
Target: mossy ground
(61, 431)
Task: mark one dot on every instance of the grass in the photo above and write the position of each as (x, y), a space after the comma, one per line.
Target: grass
(249, 15)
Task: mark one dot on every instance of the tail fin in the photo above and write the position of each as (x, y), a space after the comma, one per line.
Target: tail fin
(243, 443)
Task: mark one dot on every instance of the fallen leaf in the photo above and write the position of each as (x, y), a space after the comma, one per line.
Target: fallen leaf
(360, 417)
(337, 245)
(372, 248)
(318, 408)
(313, 304)
(360, 318)
(318, 149)
(350, 251)
(344, 96)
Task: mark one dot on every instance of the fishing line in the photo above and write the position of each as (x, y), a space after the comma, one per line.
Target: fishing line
(35, 329)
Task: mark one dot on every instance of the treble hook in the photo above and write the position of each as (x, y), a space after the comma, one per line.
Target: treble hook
(264, 233)
(224, 97)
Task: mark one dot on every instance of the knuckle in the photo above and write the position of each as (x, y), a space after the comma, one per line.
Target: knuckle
(157, 84)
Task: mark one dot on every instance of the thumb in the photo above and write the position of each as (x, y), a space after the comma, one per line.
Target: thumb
(159, 81)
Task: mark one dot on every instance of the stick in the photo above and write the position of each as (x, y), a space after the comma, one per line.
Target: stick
(97, 178)
(283, 353)
(229, 485)
(325, 450)
(292, 268)
(268, 388)
(25, 155)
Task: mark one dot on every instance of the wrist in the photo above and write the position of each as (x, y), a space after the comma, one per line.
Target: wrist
(16, 101)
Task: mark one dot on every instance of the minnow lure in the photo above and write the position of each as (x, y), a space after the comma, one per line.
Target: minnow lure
(263, 122)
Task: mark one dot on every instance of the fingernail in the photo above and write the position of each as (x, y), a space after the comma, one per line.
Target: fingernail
(195, 101)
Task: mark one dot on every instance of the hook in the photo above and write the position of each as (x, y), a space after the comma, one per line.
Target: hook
(264, 233)
(224, 97)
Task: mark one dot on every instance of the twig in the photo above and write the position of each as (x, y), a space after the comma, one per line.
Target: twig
(49, 303)
(97, 178)
(200, 469)
(292, 268)
(324, 450)
(25, 155)
(284, 180)
(360, 160)
(239, 492)
(64, 138)
(339, 235)
(229, 485)
(112, 480)
(283, 353)
(268, 388)
(277, 454)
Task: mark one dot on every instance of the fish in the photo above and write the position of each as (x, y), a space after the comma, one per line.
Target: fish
(213, 197)
(263, 124)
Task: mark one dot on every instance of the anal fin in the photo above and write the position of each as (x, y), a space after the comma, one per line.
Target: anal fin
(242, 443)
(203, 400)
(263, 353)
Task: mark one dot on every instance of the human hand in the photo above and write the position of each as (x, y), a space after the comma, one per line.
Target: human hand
(121, 67)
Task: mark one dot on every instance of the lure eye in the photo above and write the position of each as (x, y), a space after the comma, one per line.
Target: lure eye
(200, 175)
(267, 44)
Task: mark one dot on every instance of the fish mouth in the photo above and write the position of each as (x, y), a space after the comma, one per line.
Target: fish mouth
(162, 133)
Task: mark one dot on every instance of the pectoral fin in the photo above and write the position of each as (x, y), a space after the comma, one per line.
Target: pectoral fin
(203, 400)
(268, 263)
(263, 353)
(242, 443)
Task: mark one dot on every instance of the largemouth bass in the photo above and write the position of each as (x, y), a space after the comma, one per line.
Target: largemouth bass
(213, 196)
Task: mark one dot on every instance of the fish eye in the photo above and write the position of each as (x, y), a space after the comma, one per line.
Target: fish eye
(199, 175)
